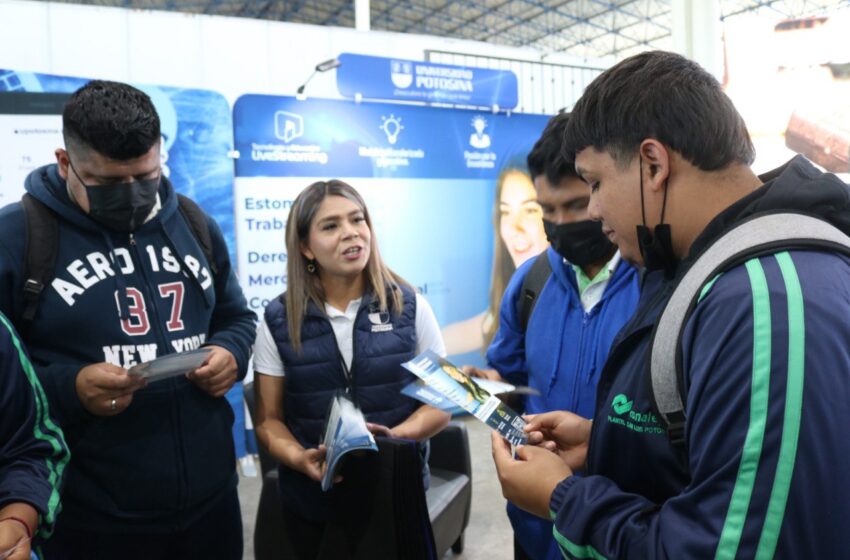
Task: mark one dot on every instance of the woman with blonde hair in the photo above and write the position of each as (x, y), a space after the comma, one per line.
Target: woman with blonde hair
(346, 322)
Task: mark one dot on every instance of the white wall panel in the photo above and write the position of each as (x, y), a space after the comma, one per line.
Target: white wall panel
(235, 57)
(24, 35)
(293, 52)
(164, 48)
(92, 42)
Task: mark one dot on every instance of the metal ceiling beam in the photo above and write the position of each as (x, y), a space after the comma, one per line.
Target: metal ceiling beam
(474, 25)
(585, 20)
(427, 15)
(615, 33)
(386, 11)
(438, 31)
(484, 13)
(292, 9)
(342, 9)
(512, 23)
(634, 41)
(256, 9)
(641, 17)
(467, 28)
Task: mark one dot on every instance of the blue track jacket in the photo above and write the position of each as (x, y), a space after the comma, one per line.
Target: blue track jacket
(560, 355)
(766, 366)
(33, 454)
(125, 299)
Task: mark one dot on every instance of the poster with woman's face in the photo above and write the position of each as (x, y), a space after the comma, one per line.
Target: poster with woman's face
(520, 217)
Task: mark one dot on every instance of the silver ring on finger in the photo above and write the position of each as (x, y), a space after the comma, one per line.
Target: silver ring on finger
(112, 405)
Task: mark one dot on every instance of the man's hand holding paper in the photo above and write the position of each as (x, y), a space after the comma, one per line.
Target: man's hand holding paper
(218, 373)
(562, 432)
(105, 389)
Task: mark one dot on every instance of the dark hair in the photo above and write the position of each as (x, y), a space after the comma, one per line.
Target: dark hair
(664, 96)
(113, 119)
(548, 156)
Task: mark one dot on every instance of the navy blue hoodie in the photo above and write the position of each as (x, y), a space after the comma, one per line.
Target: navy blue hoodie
(766, 366)
(125, 299)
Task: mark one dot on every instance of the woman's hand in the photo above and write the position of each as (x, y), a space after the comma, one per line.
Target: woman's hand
(380, 430)
(311, 462)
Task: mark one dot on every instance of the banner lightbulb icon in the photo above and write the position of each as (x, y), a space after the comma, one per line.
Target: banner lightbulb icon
(391, 127)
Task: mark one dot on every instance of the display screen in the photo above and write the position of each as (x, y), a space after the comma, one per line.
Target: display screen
(30, 132)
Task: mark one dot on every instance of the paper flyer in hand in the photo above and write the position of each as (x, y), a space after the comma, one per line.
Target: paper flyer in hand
(420, 391)
(345, 431)
(171, 365)
(451, 383)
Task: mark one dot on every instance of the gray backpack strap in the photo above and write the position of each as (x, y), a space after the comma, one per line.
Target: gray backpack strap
(764, 235)
(532, 285)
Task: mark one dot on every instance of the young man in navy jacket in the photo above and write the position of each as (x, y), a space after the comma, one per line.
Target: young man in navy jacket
(764, 353)
(589, 295)
(152, 473)
(33, 453)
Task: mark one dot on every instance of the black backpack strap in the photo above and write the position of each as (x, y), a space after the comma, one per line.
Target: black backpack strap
(532, 285)
(759, 236)
(197, 220)
(40, 249)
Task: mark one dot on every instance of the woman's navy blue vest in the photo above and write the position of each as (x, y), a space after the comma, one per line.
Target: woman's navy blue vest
(382, 342)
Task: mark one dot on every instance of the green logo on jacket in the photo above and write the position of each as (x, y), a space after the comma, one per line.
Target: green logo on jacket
(621, 404)
(640, 422)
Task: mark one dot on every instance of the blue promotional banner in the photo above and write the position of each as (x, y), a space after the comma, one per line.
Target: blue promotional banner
(429, 177)
(196, 139)
(375, 77)
(282, 136)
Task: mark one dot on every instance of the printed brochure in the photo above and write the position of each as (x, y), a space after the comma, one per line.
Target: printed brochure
(171, 365)
(420, 391)
(345, 431)
(446, 379)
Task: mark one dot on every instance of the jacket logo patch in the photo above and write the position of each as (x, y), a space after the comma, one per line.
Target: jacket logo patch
(621, 404)
(640, 422)
(380, 321)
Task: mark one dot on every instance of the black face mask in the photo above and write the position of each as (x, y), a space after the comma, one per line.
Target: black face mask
(656, 248)
(581, 243)
(121, 206)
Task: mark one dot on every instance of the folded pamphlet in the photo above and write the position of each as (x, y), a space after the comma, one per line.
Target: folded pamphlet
(345, 431)
(420, 391)
(171, 365)
(450, 383)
